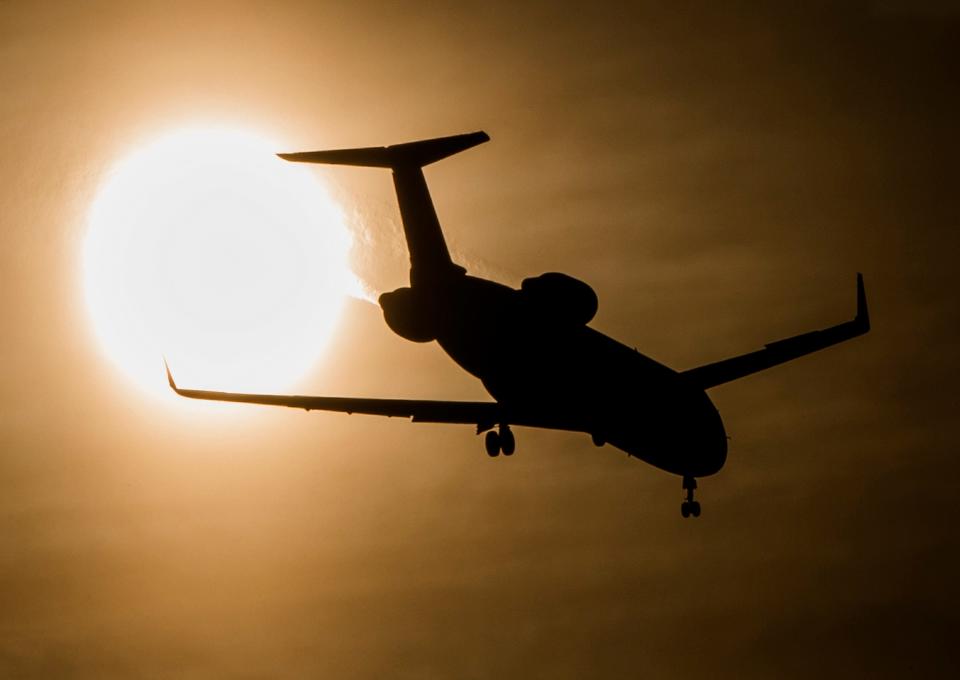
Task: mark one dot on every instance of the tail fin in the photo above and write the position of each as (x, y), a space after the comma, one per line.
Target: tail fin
(430, 261)
(409, 155)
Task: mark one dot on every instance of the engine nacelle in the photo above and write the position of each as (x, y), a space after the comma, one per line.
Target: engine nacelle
(408, 316)
(561, 298)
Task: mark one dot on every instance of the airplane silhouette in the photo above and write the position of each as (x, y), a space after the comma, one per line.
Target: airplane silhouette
(533, 350)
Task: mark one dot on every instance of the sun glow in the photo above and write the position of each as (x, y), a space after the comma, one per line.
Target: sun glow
(205, 247)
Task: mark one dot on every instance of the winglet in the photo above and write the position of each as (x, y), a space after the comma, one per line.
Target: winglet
(863, 314)
(170, 381)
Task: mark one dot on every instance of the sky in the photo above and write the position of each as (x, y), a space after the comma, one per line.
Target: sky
(717, 172)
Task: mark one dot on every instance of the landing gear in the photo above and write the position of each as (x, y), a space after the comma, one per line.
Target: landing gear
(492, 442)
(508, 444)
(502, 441)
(689, 506)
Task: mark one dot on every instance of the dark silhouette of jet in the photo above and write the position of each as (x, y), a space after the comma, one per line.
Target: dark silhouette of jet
(533, 350)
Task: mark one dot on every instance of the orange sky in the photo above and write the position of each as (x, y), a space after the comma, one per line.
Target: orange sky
(717, 174)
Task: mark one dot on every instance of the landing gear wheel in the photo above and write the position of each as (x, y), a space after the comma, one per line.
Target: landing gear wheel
(492, 442)
(689, 506)
(507, 442)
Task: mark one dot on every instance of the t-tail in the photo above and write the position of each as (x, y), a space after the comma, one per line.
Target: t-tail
(429, 258)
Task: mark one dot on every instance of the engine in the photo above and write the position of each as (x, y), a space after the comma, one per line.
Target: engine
(560, 298)
(408, 316)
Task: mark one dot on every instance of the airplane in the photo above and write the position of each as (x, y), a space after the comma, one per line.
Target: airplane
(533, 350)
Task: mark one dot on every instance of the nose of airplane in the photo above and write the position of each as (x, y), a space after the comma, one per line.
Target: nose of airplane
(709, 446)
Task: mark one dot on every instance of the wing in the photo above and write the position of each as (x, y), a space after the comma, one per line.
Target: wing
(484, 415)
(782, 351)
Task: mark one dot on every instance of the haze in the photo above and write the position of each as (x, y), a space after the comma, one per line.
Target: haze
(717, 174)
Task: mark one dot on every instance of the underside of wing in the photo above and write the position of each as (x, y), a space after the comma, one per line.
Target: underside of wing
(782, 351)
(484, 415)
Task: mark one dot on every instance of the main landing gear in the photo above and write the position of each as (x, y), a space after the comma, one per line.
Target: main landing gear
(689, 506)
(502, 441)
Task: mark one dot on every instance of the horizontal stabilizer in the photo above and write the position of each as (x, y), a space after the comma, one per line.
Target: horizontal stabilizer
(782, 351)
(411, 154)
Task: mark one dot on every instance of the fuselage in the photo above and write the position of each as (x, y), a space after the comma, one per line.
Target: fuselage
(548, 371)
(532, 348)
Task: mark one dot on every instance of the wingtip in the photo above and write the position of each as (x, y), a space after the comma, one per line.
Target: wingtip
(170, 381)
(863, 313)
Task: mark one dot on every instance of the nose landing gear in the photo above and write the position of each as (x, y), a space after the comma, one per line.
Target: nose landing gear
(689, 506)
(502, 441)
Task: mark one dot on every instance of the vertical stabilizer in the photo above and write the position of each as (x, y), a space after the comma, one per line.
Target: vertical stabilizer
(429, 257)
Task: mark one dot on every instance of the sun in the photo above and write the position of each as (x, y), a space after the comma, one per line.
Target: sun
(205, 247)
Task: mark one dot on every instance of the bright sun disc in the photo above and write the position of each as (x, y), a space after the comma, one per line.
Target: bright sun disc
(205, 247)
